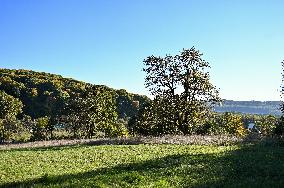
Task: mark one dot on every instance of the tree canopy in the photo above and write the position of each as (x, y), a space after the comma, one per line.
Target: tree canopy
(42, 101)
(183, 93)
(9, 106)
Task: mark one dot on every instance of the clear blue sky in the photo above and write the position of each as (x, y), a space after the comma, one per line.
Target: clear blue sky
(105, 41)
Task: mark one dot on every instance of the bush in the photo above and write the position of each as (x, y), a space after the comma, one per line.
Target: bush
(266, 125)
(9, 129)
(118, 129)
(39, 129)
(24, 136)
(226, 123)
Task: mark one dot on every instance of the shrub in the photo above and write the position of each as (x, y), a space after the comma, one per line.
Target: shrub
(23, 136)
(266, 125)
(118, 129)
(9, 129)
(226, 123)
(39, 129)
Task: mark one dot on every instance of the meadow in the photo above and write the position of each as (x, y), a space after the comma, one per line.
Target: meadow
(144, 165)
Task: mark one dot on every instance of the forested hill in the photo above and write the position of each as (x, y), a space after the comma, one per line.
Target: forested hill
(250, 107)
(43, 94)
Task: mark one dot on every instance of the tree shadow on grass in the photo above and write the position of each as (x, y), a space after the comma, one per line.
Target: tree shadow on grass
(253, 165)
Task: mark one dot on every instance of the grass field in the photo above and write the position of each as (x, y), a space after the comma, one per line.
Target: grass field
(141, 165)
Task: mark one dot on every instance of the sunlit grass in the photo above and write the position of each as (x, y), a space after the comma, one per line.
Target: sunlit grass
(144, 166)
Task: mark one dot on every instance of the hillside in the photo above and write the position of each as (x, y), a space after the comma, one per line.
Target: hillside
(42, 106)
(43, 94)
(39, 91)
(250, 107)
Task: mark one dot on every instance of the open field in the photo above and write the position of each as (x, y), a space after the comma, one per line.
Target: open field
(143, 165)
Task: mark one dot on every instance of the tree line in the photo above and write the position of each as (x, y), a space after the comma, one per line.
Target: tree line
(34, 106)
(42, 106)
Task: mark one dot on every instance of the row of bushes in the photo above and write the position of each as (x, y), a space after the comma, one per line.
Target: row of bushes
(216, 124)
(28, 129)
(82, 115)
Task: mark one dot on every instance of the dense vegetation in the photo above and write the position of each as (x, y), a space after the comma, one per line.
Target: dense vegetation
(182, 94)
(42, 106)
(144, 166)
(34, 105)
(184, 99)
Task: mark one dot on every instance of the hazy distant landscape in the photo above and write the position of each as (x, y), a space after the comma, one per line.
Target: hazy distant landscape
(250, 107)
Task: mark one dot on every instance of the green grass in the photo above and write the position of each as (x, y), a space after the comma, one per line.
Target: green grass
(144, 166)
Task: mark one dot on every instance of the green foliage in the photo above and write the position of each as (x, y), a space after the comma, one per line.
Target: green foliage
(128, 104)
(9, 106)
(83, 108)
(116, 129)
(154, 118)
(143, 166)
(23, 136)
(94, 110)
(172, 111)
(236, 124)
(39, 129)
(226, 123)
(42, 94)
(10, 127)
(45, 94)
(266, 125)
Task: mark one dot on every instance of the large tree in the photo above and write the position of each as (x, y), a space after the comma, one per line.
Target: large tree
(183, 93)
